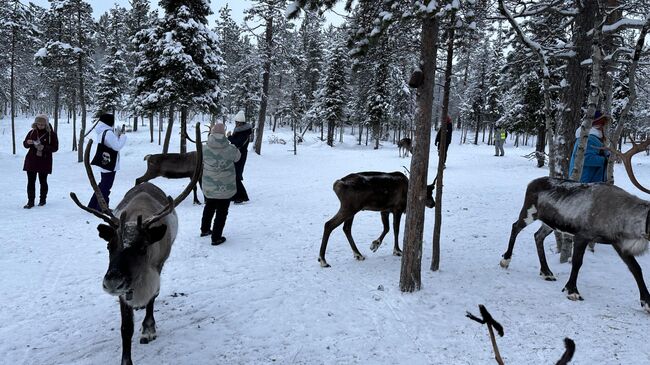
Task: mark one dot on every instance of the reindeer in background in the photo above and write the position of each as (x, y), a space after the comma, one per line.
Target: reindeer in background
(139, 243)
(595, 212)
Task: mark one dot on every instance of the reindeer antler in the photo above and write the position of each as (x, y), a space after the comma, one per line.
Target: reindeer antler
(106, 213)
(198, 170)
(627, 161)
(169, 207)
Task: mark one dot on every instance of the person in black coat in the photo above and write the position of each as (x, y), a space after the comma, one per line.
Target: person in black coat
(240, 138)
(449, 130)
(41, 142)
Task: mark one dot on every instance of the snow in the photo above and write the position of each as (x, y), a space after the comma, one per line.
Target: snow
(262, 298)
(625, 22)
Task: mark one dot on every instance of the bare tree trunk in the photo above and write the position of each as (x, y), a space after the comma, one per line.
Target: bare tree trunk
(168, 133)
(541, 145)
(183, 130)
(12, 91)
(57, 96)
(151, 126)
(265, 85)
(135, 123)
(160, 125)
(82, 103)
(435, 259)
(410, 275)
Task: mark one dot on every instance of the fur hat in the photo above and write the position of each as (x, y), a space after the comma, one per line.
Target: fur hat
(108, 119)
(599, 119)
(218, 128)
(240, 117)
(42, 117)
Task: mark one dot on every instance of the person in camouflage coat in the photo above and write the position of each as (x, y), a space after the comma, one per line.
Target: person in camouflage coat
(219, 182)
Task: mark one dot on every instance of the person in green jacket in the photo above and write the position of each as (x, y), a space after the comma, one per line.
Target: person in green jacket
(219, 182)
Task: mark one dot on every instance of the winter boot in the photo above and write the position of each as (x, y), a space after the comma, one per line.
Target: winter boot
(30, 204)
(41, 202)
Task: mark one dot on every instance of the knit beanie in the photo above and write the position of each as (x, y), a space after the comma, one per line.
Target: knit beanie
(219, 128)
(108, 119)
(240, 117)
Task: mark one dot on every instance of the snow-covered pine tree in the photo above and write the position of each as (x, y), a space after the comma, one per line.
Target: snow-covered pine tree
(112, 85)
(181, 63)
(18, 37)
(334, 89)
(268, 11)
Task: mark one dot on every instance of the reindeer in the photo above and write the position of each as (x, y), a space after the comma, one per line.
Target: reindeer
(171, 166)
(139, 243)
(404, 146)
(595, 212)
(383, 192)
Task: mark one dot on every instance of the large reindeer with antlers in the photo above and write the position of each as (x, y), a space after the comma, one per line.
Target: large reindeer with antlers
(596, 212)
(139, 243)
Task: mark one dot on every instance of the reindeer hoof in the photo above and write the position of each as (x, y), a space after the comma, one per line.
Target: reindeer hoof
(548, 277)
(575, 296)
(397, 253)
(146, 338)
(359, 257)
(323, 263)
(375, 245)
(645, 305)
(504, 263)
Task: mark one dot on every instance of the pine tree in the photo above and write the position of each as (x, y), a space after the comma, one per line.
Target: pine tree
(181, 63)
(334, 90)
(17, 35)
(112, 85)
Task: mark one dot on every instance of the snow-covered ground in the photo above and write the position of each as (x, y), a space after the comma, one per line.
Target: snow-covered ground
(262, 298)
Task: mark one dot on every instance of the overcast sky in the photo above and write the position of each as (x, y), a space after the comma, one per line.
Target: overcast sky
(237, 6)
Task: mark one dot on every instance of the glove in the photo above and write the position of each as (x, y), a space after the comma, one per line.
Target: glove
(229, 134)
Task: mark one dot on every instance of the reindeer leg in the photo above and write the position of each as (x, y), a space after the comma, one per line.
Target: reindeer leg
(635, 269)
(384, 221)
(149, 324)
(579, 247)
(526, 217)
(540, 235)
(127, 331)
(347, 229)
(396, 219)
(330, 225)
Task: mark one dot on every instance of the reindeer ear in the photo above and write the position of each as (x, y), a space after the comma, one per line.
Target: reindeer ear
(157, 233)
(106, 232)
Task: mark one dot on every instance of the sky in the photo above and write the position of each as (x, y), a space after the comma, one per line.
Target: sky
(237, 6)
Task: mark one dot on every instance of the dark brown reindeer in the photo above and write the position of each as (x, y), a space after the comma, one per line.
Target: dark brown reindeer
(383, 192)
(595, 212)
(139, 243)
(171, 166)
(404, 146)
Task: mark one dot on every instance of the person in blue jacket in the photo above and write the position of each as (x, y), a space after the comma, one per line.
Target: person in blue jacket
(596, 154)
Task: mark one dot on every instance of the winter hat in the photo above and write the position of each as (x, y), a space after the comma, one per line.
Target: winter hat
(218, 128)
(108, 119)
(240, 117)
(599, 119)
(448, 120)
(42, 118)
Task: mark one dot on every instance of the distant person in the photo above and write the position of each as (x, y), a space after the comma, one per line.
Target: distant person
(42, 142)
(219, 182)
(499, 139)
(448, 142)
(240, 138)
(596, 154)
(115, 141)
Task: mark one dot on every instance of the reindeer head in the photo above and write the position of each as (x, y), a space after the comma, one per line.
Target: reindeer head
(128, 245)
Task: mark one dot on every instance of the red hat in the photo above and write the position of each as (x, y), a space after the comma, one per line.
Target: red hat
(448, 120)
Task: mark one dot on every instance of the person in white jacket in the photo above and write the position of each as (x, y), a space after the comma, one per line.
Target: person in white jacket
(114, 141)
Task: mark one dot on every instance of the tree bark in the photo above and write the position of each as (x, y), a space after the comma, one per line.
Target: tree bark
(183, 130)
(12, 90)
(410, 275)
(151, 127)
(265, 86)
(435, 258)
(168, 133)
